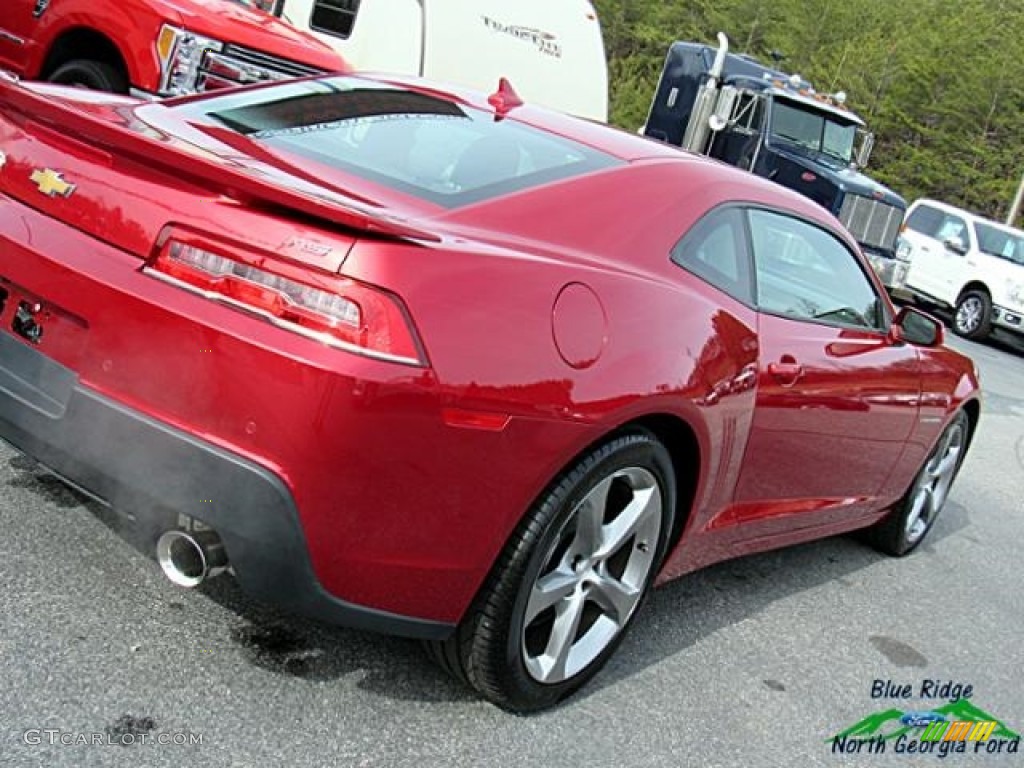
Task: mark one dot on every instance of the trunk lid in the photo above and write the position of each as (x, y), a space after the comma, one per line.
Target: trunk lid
(87, 160)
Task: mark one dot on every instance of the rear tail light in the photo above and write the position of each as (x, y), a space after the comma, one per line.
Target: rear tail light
(337, 311)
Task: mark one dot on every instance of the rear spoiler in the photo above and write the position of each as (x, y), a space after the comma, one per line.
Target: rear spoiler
(333, 207)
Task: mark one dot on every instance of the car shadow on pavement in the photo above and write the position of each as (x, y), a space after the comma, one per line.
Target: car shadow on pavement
(305, 649)
(676, 616)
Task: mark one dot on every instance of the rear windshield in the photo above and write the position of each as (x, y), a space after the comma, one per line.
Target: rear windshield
(998, 242)
(429, 147)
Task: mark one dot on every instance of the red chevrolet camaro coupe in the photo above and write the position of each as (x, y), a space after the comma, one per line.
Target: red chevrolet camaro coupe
(449, 366)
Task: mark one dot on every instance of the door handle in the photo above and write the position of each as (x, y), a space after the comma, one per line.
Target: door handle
(786, 371)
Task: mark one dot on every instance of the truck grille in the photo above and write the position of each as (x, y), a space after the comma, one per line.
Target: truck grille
(236, 65)
(871, 221)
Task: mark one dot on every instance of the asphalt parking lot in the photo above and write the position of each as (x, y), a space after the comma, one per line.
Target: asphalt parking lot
(750, 663)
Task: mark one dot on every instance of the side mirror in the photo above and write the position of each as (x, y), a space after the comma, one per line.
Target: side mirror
(913, 326)
(955, 244)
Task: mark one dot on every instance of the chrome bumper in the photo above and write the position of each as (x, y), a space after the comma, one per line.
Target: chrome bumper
(1009, 319)
(892, 272)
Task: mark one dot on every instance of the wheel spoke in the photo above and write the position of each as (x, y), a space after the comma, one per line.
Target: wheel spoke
(922, 499)
(593, 578)
(645, 502)
(614, 598)
(548, 590)
(946, 466)
(589, 518)
(563, 637)
(969, 315)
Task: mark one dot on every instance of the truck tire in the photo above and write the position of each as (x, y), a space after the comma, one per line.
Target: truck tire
(85, 73)
(972, 317)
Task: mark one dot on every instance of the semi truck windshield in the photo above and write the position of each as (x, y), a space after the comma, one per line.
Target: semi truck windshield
(813, 130)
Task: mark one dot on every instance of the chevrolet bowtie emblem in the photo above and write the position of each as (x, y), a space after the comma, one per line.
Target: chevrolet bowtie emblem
(51, 183)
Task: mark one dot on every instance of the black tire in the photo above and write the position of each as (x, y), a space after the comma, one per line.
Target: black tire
(972, 316)
(901, 531)
(85, 73)
(490, 649)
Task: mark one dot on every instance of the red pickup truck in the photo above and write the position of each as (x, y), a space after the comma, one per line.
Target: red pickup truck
(154, 47)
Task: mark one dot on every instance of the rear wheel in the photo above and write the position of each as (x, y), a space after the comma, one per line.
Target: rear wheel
(568, 583)
(908, 523)
(85, 73)
(973, 318)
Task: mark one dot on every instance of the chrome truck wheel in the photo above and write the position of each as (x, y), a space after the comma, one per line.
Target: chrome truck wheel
(973, 318)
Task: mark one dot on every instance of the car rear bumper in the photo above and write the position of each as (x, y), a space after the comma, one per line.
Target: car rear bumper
(154, 473)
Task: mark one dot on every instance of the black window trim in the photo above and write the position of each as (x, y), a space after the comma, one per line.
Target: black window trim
(753, 302)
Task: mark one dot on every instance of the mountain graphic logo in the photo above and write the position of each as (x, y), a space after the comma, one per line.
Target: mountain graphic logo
(888, 724)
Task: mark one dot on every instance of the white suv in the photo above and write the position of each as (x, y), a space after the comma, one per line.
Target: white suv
(963, 261)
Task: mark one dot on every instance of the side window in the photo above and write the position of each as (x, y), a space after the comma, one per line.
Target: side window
(747, 113)
(806, 273)
(925, 220)
(715, 250)
(952, 226)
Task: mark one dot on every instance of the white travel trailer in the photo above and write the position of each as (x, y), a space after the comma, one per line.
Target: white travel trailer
(551, 50)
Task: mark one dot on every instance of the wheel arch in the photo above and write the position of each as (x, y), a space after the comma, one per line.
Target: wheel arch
(973, 285)
(83, 43)
(972, 408)
(683, 446)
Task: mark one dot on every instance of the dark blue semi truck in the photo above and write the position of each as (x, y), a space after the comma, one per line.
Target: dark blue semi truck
(776, 125)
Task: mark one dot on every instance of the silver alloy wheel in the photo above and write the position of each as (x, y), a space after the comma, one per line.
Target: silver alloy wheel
(593, 575)
(932, 485)
(968, 315)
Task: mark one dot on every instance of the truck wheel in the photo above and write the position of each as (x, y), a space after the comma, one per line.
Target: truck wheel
(97, 75)
(569, 581)
(973, 318)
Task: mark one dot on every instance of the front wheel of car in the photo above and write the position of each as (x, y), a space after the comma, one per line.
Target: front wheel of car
(973, 317)
(905, 527)
(568, 583)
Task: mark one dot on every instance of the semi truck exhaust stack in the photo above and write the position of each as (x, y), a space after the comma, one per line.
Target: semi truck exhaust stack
(698, 129)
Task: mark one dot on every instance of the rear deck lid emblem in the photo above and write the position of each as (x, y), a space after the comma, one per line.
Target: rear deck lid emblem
(51, 183)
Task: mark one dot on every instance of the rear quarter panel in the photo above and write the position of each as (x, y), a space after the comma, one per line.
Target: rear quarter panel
(949, 383)
(673, 345)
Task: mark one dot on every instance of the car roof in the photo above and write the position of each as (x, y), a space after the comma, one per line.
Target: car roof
(632, 148)
(678, 183)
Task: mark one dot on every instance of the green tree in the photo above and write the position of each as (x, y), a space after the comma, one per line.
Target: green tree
(941, 82)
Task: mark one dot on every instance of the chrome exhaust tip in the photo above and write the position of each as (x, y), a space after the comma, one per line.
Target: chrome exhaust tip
(190, 558)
